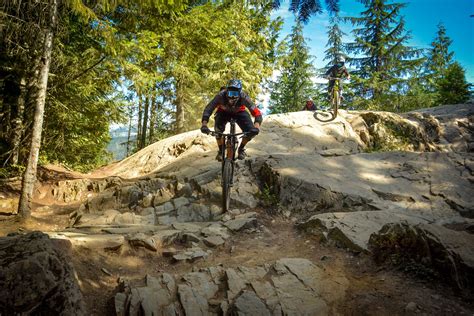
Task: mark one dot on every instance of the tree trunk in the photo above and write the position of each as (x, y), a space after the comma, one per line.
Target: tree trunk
(29, 177)
(130, 118)
(139, 127)
(152, 119)
(145, 121)
(179, 102)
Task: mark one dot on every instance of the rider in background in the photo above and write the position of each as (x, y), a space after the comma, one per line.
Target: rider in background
(231, 102)
(337, 71)
(309, 105)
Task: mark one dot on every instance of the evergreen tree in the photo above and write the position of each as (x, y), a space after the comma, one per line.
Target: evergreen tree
(294, 85)
(237, 41)
(47, 23)
(452, 87)
(439, 56)
(380, 38)
(305, 8)
(334, 46)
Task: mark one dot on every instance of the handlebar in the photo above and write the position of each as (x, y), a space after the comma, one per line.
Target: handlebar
(215, 133)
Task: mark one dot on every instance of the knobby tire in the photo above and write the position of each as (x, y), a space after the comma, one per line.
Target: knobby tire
(336, 102)
(226, 184)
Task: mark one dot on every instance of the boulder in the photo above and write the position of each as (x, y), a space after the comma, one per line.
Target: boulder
(290, 286)
(36, 278)
(446, 254)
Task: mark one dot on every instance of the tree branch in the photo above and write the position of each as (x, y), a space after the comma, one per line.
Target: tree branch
(79, 75)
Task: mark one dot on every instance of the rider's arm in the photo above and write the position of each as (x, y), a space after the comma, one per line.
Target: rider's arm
(253, 110)
(329, 72)
(346, 73)
(206, 114)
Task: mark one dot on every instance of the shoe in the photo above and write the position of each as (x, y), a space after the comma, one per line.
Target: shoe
(241, 154)
(219, 156)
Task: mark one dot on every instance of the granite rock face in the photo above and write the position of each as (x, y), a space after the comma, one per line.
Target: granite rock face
(36, 278)
(443, 252)
(290, 286)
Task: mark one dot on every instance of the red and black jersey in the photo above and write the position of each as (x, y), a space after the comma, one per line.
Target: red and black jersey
(337, 72)
(222, 104)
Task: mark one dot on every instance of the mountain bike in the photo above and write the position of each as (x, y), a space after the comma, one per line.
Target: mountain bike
(335, 101)
(228, 161)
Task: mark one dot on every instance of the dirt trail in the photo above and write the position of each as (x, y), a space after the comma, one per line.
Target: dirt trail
(372, 290)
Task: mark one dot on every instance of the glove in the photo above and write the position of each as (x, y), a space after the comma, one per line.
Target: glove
(205, 129)
(254, 131)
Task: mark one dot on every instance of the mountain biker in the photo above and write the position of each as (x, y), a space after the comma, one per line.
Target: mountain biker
(337, 71)
(231, 102)
(309, 105)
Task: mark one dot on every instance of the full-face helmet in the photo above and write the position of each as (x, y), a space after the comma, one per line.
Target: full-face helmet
(340, 61)
(234, 87)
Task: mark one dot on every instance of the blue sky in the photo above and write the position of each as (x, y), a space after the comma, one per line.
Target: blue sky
(421, 18)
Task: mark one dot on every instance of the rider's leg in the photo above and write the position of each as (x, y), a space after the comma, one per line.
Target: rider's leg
(245, 123)
(220, 119)
(330, 87)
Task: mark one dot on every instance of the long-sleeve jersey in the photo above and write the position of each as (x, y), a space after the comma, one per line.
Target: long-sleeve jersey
(337, 72)
(221, 102)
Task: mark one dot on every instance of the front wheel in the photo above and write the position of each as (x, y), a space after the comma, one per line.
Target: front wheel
(336, 101)
(226, 184)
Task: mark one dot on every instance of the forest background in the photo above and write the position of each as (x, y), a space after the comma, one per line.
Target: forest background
(69, 70)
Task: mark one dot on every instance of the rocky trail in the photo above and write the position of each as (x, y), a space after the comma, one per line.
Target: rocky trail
(371, 214)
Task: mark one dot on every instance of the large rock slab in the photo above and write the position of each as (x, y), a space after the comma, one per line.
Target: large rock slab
(353, 230)
(92, 241)
(446, 253)
(36, 278)
(156, 297)
(291, 286)
(431, 184)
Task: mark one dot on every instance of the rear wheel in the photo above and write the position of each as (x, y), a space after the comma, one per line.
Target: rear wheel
(226, 184)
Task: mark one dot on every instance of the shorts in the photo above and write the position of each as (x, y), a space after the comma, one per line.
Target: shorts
(242, 119)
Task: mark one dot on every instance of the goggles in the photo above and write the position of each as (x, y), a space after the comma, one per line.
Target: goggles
(233, 93)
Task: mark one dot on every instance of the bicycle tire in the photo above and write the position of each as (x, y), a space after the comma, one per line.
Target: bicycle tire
(337, 102)
(226, 184)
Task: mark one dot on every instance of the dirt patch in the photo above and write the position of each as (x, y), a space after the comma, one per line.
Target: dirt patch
(372, 291)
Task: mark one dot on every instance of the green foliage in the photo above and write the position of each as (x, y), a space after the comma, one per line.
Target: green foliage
(237, 41)
(294, 85)
(385, 60)
(439, 56)
(334, 46)
(82, 101)
(268, 197)
(11, 171)
(181, 61)
(453, 87)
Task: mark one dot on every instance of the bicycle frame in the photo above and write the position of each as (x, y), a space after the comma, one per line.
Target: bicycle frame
(335, 95)
(230, 141)
(228, 162)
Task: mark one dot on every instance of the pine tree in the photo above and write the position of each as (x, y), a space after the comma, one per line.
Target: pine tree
(380, 39)
(452, 87)
(294, 85)
(438, 61)
(334, 49)
(439, 57)
(305, 8)
(335, 46)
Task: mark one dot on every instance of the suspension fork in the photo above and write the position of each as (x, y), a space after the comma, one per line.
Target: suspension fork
(231, 142)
